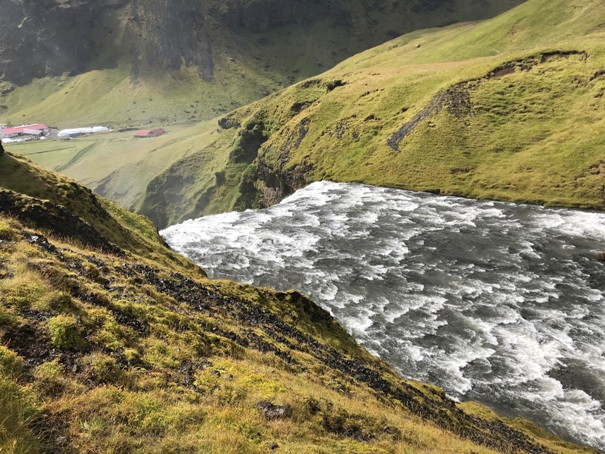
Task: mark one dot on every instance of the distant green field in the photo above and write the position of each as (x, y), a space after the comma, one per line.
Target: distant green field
(130, 162)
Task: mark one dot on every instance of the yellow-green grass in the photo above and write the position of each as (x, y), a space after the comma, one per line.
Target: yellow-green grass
(121, 364)
(110, 97)
(531, 136)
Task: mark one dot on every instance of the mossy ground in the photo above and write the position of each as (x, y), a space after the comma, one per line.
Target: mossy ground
(132, 233)
(110, 354)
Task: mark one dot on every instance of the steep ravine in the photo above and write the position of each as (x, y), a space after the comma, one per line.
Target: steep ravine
(485, 136)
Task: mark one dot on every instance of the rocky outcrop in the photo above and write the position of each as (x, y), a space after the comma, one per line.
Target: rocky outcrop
(42, 214)
(260, 16)
(275, 184)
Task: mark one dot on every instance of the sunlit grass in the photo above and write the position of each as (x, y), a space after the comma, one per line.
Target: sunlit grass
(126, 367)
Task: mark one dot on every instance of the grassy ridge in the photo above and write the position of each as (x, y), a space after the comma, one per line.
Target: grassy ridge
(112, 352)
(134, 76)
(32, 193)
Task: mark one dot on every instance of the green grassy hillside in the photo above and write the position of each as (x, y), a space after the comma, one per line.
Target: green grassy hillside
(110, 349)
(45, 200)
(510, 109)
(139, 65)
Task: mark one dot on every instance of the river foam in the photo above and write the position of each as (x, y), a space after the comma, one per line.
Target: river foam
(495, 302)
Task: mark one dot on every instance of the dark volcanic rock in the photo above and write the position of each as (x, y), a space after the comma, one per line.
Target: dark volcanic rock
(168, 34)
(274, 411)
(262, 15)
(49, 216)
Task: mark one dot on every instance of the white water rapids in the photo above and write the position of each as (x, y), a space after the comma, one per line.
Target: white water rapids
(499, 303)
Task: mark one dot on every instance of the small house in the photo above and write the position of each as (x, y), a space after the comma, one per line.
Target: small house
(145, 133)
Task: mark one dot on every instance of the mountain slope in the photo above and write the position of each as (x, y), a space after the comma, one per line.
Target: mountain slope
(510, 109)
(107, 351)
(130, 62)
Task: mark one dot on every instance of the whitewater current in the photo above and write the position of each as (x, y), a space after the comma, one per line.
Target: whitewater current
(494, 302)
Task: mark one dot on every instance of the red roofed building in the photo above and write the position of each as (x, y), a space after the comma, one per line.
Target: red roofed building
(24, 129)
(144, 133)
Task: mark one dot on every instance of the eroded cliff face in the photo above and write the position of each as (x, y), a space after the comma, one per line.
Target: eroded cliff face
(56, 37)
(379, 18)
(40, 38)
(260, 16)
(167, 34)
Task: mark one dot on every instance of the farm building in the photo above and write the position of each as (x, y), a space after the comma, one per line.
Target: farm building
(36, 130)
(144, 133)
(75, 132)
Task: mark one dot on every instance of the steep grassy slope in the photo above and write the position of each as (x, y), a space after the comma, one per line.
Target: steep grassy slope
(157, 63)
(103, 351)
(46, 200)
(510, 108)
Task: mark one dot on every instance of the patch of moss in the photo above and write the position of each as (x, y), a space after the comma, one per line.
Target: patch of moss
(103, 369)
(50, 379)
(65, 333)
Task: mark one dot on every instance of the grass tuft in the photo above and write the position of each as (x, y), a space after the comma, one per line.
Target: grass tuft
(65, 333)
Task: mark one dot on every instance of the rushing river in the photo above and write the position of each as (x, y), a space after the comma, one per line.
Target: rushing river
(495, 302)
